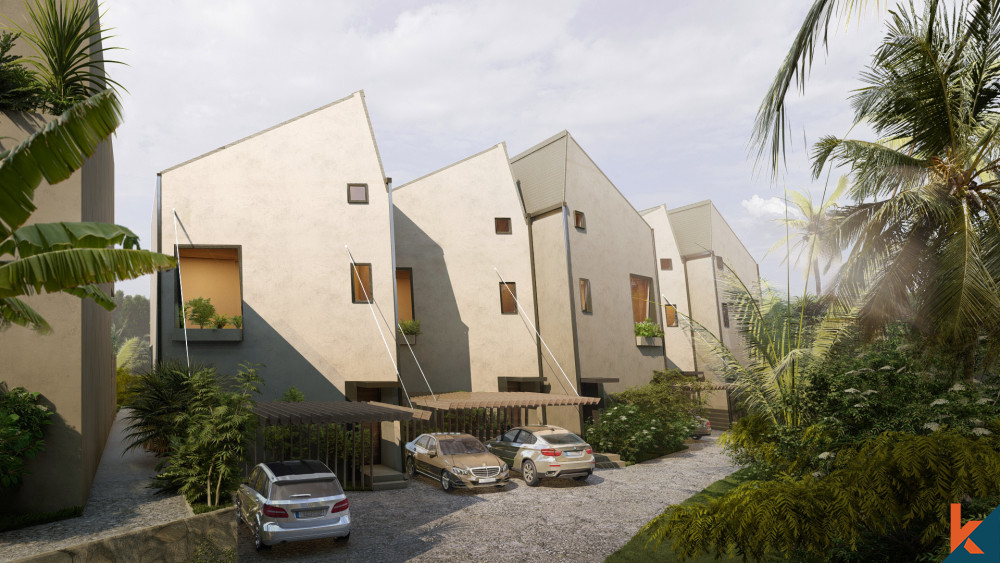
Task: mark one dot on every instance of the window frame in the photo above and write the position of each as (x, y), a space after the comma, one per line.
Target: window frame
(356, 185)
(371, 288)
(720, 264)
(666, 264)
(510, 225)
(413, 304)
(586, 298)
(651, 306)
(178, 276)
(580, 220)
(666, 316)
(725, 315)
(513, 293)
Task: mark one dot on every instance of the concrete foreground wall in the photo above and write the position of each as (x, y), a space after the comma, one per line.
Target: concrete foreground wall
(167, 543)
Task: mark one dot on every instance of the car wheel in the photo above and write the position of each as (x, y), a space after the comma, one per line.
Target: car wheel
(529, 473)
(411, 467)
(239, 514)
(446, 481)
(698, 437)
(258, 541)
(343, 539)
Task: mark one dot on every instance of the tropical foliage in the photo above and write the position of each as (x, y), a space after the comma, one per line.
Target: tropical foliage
(209, 444)
(925, 223)
(22, 427)
(131, 314)
(200, 311)
(68, 59)
(19, 91)
(814, 232)
(61, 257)
(155, 400)
(648, 329)
(411, 327)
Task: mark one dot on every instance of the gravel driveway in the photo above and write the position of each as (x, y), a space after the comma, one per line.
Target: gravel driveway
(560, 519)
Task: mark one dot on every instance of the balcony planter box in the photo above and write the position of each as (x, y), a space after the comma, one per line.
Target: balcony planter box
(403, 339)
(646, 341)
(208, 335)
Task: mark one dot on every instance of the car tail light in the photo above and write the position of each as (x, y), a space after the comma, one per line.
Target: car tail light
(590, 450)
(340, 506)
(274, 511)
(551, 452)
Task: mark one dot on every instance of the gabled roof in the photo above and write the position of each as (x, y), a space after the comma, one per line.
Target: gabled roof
(359, 93)
(542, 179)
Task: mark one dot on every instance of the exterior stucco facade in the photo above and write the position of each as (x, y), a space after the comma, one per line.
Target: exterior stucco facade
(446, 237)
(281, 198)
(72, 368)
(605, 246)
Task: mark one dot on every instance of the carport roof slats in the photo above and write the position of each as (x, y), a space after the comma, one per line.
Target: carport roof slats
(497, 399)
(334, 412)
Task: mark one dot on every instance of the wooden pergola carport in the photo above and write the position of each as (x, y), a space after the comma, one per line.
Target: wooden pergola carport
(315, 430)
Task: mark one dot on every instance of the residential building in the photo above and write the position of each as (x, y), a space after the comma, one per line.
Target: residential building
(463, 269)
(73, 367)
(593, 257)
(262, 228)
(699, 257)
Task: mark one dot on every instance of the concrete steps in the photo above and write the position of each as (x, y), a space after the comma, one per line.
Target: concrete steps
(608, 461)
(384, 478)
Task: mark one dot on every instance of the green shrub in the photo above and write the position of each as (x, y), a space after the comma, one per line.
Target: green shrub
(669, 395)
(887, 499)
(22, 427)
(200, 311)
(219, 321)
(636, 434)
(409, 327)
(155, 399)
(236, 321)
(208, 446)
(293, 395)
(648, 329)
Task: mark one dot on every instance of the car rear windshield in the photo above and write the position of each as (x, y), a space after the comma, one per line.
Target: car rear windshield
(294, 490)
(562, 439)
(458, 446)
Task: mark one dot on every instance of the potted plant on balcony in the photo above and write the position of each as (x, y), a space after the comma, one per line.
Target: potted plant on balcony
(408, 332)
(648, 333)
(211, 324)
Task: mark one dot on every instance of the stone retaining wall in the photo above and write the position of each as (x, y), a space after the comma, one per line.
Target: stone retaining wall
(171, 542)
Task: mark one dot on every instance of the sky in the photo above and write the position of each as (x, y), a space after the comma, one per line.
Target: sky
(662, 95)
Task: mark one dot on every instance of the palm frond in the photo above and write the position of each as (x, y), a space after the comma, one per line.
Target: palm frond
(61, 269)
(38, 238)
(53, 154)
(17, 312)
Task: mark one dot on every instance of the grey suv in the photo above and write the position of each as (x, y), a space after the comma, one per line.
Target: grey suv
(286, 501)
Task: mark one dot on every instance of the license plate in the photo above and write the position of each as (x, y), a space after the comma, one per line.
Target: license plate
(573, 454)
(310, 513)
(490, 480)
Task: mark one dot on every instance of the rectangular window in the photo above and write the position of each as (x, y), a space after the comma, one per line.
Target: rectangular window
(585, 304)
(643, 304)
(502, 225)
(404, 293)
(508, 295)
(725, 315)
(580, 220)
(719, 263)
(212, 287)
(357, 193)
(361, 283)
(670, 315)
(666, 263)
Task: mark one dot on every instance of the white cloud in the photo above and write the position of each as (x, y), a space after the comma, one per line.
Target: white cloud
(759, 207)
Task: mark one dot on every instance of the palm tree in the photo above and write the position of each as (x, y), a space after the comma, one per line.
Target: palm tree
(814, 232)
(61, 257)
(69, 56)
(925, 223)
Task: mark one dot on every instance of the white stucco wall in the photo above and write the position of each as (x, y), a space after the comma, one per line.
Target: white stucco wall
(445, 232)
(282, 195)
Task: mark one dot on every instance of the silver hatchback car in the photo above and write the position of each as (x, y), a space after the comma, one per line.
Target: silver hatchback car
(286, 501)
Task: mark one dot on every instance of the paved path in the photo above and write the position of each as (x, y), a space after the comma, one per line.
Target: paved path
(559, 520)
(120, 501)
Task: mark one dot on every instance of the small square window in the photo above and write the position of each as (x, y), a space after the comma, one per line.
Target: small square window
(508, 298)
(357, 193)
(502, 225)
(580, 220)
(361, 283)
(725, 315)
(719, 263)
(666, 263)
(585, 305)
(670, 314)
